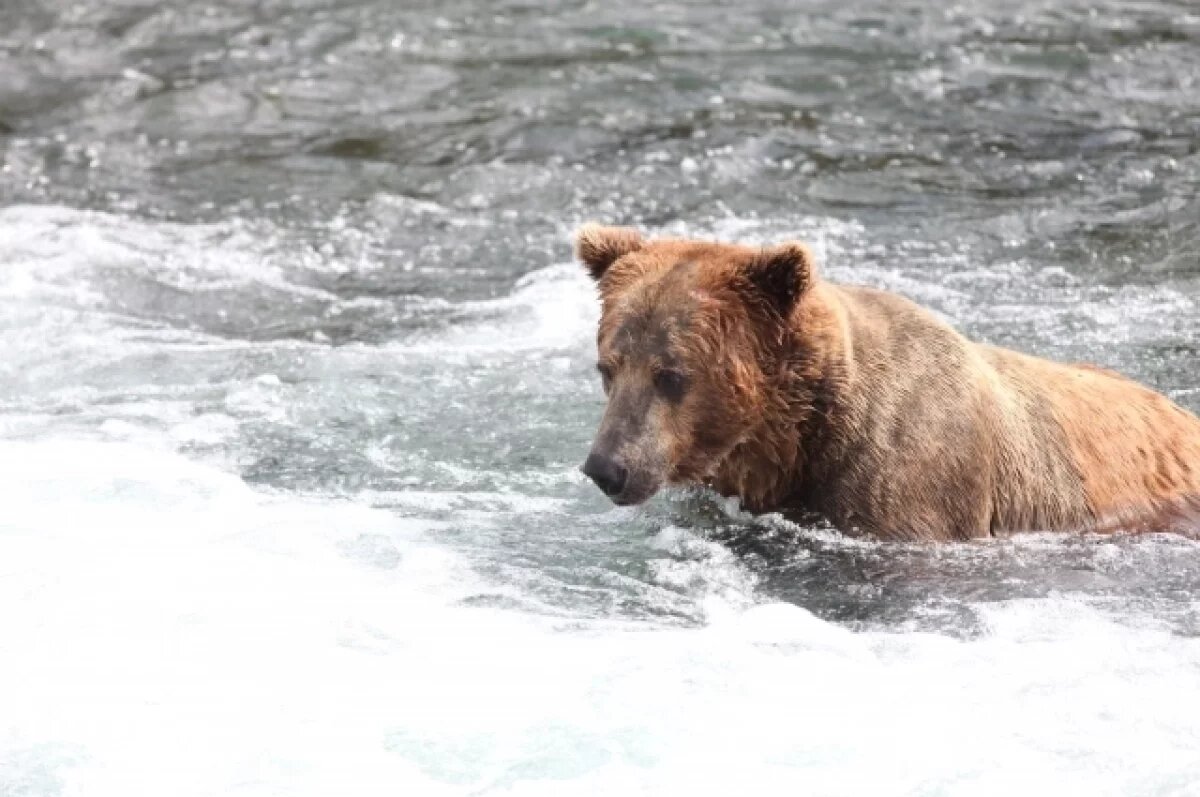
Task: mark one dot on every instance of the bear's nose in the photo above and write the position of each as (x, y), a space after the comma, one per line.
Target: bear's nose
(606, 473)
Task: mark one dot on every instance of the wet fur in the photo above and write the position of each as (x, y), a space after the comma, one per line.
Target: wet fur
(864, 407)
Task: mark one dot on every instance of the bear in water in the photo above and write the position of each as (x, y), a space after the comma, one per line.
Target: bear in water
(739, 368)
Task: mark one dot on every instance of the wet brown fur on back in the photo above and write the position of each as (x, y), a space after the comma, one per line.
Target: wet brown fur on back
(738, 367)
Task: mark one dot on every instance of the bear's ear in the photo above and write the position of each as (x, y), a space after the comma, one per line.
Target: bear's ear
(778, 275)
(598, 247)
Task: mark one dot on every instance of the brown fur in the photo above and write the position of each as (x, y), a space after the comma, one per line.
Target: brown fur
(860, 405)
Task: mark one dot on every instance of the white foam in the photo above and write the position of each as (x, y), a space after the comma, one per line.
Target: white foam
(169, 630)
(704, 569)
(55, 252)
(550, 309)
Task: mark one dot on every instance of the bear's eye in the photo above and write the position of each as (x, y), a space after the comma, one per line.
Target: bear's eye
(606, 375)
(671, 384)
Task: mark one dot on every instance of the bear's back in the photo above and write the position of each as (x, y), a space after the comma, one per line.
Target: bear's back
(950, 438)
(1136, 452)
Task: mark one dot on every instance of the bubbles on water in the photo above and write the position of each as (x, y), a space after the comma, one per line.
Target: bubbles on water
(705, 571)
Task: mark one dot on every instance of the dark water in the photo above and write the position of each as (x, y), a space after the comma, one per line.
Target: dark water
(321, 248)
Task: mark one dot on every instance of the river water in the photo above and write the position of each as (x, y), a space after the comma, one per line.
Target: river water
(297, 375)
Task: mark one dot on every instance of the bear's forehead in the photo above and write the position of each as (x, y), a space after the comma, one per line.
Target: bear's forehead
(671, 302)
(650, 331)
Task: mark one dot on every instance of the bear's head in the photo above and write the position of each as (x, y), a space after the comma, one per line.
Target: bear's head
(694, 345)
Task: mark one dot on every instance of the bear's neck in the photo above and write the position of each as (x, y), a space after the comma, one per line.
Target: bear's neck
(776, 463)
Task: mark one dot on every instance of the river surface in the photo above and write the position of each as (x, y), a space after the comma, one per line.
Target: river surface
(297, 375)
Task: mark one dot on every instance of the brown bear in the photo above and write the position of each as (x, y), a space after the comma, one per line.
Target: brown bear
(739, 368)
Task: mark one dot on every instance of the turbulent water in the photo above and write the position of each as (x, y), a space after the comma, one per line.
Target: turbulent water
(297, 376)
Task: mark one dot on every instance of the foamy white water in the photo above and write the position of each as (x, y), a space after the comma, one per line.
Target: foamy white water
(167, 629)
(260, 564)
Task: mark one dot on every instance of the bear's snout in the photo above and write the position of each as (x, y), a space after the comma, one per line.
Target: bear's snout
(608, 474)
